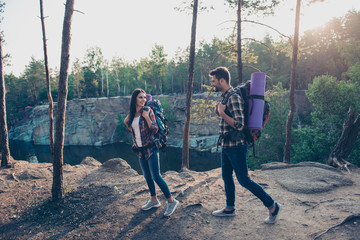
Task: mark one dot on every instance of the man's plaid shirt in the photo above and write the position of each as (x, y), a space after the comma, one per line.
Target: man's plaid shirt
(234, 108)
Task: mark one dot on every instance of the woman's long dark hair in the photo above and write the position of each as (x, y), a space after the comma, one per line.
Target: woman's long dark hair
(134, 95)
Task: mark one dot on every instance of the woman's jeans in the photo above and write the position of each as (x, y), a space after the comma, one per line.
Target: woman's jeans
(151, 173)
(234, 159)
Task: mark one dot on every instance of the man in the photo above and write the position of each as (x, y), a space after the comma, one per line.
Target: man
(233, 154)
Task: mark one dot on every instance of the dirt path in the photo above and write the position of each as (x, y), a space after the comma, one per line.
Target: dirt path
(104, 203)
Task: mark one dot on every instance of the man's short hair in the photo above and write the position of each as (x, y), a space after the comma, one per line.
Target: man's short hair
(221, 72)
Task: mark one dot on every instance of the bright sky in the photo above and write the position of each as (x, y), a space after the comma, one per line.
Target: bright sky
(129, 29)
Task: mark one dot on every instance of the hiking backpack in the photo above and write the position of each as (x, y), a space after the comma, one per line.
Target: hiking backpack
(163, 131)
(249, 135)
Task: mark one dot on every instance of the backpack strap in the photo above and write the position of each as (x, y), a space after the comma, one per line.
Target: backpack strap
(255, 97)
(226, 99)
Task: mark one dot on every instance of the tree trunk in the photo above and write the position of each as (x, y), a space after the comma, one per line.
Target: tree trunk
(287, 146)
(102, 82)
(346, 142)
(185, 150)
(5, 150)
(48, 86)
(239, 53)
(57, 187)
(107, 84)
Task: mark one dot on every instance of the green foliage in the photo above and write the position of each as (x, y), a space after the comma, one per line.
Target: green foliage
(15, 98)
(270, 146)
(330, 49)
(331, 100)
(34, 77)
(313, 143)
(90, 83)
(272, 58)
(169, 111)
(202, 110)
(254, 7)
(122, 130)
(353, 74)
(157, 68)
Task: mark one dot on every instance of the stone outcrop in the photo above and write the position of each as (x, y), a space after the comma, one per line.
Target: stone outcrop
(94, 122)
(307, 177)
(88, 122)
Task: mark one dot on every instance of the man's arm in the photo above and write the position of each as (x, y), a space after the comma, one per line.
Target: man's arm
(221, 110)
(236, 120)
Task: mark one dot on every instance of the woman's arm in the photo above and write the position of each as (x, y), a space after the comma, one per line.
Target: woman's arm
(126, 120)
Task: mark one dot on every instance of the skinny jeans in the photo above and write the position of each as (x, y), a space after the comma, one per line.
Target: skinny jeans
(234, 159)
(151, 171)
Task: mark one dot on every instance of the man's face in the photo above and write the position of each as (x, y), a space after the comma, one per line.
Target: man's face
(215, 83)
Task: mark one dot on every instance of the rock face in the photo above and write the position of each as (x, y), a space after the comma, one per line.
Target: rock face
(94, 122)
(88, 122)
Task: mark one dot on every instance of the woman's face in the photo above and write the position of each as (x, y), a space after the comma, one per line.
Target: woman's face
(141, 99)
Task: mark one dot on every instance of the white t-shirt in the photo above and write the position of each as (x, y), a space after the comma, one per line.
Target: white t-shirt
(136, 129)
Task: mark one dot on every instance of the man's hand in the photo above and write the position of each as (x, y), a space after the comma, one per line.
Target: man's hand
(216, 109)
(221, 108)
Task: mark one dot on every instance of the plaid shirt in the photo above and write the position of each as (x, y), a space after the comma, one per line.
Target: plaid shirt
(146, 134)
(234, 109)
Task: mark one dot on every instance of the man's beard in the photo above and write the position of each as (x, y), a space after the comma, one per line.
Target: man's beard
(217, 89)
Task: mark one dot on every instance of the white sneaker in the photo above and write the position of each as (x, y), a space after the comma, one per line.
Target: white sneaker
(151, 204)
(273, 218)
(170, 207)
(223, 213)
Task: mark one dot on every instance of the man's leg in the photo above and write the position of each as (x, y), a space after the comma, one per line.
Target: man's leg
(227, 175)
(237, 157)
(227, 172)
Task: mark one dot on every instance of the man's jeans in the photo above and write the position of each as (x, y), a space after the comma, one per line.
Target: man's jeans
(151, 173)
(234, 159)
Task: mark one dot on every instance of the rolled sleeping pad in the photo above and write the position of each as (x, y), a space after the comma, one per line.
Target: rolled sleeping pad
(256, 101)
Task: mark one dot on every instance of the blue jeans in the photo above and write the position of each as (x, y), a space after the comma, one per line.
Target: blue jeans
(234, 159)
(151, 173)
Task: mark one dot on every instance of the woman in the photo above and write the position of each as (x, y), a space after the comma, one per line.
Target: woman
(141, 123)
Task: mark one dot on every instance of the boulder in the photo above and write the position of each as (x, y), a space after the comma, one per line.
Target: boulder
(90, 161)
(307, 177)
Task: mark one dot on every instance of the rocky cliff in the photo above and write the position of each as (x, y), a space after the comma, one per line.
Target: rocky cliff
(94, 122)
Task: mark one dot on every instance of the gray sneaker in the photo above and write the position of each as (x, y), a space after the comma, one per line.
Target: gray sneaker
(170, 207)
(223, 213)
(273, 217)
(150, 204)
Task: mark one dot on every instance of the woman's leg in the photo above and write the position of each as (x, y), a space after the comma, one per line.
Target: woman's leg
(144, 164)
(154, 167)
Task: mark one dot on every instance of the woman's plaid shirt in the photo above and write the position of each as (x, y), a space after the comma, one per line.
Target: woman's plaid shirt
(146, 135)
(234, 109)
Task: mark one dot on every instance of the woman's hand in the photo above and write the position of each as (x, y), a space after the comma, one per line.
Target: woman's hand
(145, 112)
